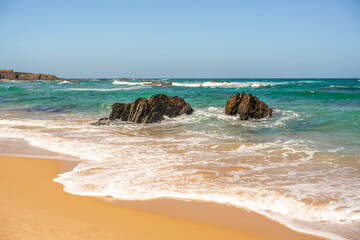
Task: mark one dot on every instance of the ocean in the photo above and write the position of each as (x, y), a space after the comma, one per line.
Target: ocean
(300, 167)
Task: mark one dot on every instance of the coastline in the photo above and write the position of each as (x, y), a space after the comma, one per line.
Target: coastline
(36, 207)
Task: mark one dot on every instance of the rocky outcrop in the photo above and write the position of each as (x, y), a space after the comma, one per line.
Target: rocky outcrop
(6, 70)
(247, 107)
(123, 79)
(159, 83)
(216, 81)
(27, 76)
(148, 110)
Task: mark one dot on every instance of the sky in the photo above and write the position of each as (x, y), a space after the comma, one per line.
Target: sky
(183, 39)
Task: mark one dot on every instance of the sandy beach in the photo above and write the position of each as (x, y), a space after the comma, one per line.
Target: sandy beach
(35, 207)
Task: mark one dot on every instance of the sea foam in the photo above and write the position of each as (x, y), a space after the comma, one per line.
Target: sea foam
(279, 166)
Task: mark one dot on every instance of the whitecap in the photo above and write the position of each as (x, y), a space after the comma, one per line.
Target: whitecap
(96, 89)
(64, 82)
(256, 85)
(176, 84)
(229, 84)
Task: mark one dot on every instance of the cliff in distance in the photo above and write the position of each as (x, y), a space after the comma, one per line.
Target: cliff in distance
(7, 74)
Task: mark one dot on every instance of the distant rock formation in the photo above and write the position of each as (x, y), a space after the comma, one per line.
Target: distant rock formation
(159, 83)
(9, 74)
(148, 110)
(6, 70)
(80, 79)
(247, 107)
(216, 81)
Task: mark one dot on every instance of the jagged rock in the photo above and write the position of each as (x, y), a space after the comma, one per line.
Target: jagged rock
(247, 107)
(148, 110)
(159, 83)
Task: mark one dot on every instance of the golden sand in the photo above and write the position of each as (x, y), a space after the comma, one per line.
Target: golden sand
(32, 206)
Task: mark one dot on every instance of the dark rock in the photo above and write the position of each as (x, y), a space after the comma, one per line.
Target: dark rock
(159, 83)
(149, 110)
(216, 81)
(247, 107)
(27, 76)
(102, 121)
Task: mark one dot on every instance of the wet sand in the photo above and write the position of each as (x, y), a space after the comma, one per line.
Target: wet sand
(32, 206)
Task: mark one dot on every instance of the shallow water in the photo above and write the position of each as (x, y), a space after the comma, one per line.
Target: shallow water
(301, 166)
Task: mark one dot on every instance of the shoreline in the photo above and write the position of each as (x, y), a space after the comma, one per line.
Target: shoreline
(221, 215)
(198, 220)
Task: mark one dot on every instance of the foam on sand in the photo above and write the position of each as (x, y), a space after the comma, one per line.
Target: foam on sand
(120, 162)
(41, 202)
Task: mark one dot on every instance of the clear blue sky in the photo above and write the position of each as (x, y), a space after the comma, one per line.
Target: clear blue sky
(189, 38)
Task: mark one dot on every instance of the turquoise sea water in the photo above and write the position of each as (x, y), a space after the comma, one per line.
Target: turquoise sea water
(301, 167)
